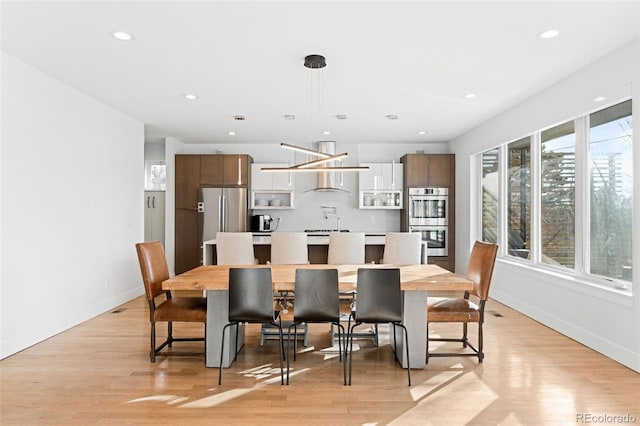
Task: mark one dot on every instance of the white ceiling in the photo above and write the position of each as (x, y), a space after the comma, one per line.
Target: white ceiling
(413, 59)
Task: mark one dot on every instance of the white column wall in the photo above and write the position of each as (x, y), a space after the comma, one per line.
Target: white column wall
(605, 320)
(72, 176)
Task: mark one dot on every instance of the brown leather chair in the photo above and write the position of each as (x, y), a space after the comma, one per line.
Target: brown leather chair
(153, 265)
(463, 310)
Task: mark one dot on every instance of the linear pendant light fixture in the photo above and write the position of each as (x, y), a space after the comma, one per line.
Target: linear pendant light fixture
(310, 166)
(314, 62)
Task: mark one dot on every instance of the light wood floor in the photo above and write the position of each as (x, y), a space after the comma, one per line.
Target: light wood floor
(99, 373)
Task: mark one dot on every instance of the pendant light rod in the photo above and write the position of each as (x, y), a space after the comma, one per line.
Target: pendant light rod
(320, 161)
(314, 169)
(304, 150)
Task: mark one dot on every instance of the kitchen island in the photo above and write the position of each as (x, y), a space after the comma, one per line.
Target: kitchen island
(318, 248)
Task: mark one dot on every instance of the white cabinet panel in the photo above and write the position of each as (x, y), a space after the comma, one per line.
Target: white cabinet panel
(271, 181)
(154, 216)
(271, 190)
(381, 186)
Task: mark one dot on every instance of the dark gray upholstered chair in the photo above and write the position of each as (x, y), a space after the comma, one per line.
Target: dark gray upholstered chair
(153, 265)
(316, 301)
(251, 301)
(379, 302)
(462, 309)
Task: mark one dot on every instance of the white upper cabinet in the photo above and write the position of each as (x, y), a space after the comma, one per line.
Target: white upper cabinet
(380, 187)
(271, 190)
(381, 176)
(271, 181)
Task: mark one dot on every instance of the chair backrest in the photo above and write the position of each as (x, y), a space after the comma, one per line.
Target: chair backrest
(289, 248)
(234, 248)
(317, 297)
(379, 295)
(346, 248)
(153, 265)
(402, 248)
(250, 295)
(480, 268)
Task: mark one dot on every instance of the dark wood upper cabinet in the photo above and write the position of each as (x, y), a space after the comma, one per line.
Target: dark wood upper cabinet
(187, 181)
(236, 170)
(212, 170)
(423, 170)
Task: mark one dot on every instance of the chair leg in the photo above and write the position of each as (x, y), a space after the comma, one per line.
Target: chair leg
(170, 333)
(350, 339)
(406, 345)
(152, 354)
(289, 347)
(295, 340)
(235, 350)
(224, 329)
(480, 343)
(281, 347)
(426, 361)
(464, 334)
(341, 333)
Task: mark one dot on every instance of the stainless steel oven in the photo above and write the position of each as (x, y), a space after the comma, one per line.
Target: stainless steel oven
(428, 206)
(436, 238)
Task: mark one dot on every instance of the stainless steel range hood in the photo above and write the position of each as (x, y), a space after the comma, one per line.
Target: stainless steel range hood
(326, 180)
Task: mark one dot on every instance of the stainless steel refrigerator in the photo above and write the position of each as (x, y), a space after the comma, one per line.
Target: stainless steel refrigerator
(222, 210)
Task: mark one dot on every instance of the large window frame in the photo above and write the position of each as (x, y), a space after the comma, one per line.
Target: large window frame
(580, 271)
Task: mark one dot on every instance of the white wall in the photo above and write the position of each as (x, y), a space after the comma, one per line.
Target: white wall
(604, 320)
(72, 206)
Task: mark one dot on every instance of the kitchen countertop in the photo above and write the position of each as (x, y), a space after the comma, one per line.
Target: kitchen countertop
(318, 240)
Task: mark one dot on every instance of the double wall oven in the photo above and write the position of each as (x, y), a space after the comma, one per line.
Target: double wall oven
(429, 215)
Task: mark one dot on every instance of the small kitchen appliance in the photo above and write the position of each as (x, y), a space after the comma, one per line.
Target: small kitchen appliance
(261, 223)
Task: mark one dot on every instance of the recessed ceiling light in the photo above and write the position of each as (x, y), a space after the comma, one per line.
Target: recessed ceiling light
(469, 95)
(122, 36)
(599, 99)
(231, 133)
(392, 116)
(289, 117)
(189, 96)
(548, 34)
(421, 132)
(326, 132)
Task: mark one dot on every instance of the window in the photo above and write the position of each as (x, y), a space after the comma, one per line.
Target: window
(519, 196)
(545, 223)
(490, 196)
(610, 211)
(155, 175)
(558, 195)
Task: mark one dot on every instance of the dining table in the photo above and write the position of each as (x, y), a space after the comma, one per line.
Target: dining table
(415, 281)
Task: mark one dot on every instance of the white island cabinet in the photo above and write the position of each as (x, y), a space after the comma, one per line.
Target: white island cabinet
(271, 191)
(380, 187)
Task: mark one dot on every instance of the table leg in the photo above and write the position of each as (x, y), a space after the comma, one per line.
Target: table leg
(414, 317)
(217, 317)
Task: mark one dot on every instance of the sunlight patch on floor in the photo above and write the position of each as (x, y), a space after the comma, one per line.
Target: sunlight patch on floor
(213, 400)
(471, 394)
(169, 399)
(423, 389)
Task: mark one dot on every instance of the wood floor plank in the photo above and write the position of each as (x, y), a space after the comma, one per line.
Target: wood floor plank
(98, 373)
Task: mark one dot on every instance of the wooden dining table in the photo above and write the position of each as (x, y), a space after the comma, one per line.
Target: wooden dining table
(416, 282)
